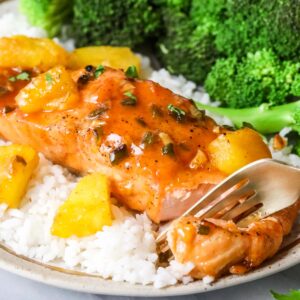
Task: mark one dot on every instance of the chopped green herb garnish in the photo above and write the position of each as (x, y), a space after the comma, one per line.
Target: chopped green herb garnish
(228, 127)
(148, 138)
(84, 79)
(197, 113)
(203, 229)
(97, 112)
(164, 256)
(177, 113)
(8, 109)
(49, 78)
(130, 100)
(3, 90)
(21, 76)
(184, 147)
(141, 122)
(98, 132)
(168, 149)
(118, 154)
(129, 95)
(99, 70)
(156, 111)
(131, 72)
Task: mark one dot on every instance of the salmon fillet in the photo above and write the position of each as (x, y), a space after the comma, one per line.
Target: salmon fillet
(217, 247)
(124, 141)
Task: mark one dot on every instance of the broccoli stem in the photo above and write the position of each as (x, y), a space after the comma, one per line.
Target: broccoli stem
(264, 118)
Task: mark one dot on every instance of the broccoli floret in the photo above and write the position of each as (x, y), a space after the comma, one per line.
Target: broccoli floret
(265, 118)
(47, 14)
(187, 44)
(198, 32)
(220, 81)
(118, 23)
(258, 78)
(185, 50)
(257, 24)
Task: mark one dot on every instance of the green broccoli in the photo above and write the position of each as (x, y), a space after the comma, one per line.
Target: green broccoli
(197, 32)
(258, 78)
(186, 46)
(296, 148)
(47, 14)
(118, 23)
(257, 24)
(265, 118)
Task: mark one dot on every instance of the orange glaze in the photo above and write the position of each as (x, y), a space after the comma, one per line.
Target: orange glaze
(162, 185)
(12, 88)
(146, 180)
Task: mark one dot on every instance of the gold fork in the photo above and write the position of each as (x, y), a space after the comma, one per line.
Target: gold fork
(252, 193)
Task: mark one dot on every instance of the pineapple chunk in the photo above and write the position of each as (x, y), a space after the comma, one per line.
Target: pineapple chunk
(53, 90)
(17, 163)
(114, 57)
(233, 150)
(27, 53)
(87, 209)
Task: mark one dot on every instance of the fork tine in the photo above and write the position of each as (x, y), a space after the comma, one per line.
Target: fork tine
(242, 208)
(229, 202)
(250, 184)
(215, 193)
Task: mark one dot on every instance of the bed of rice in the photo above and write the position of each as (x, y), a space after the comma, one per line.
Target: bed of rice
(126, 250)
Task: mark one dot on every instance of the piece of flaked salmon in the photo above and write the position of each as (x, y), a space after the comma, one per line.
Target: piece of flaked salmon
(150, 142)
(217, 247)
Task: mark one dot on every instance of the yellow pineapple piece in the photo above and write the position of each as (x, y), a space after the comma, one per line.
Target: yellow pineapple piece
(114, 57)
(27, 53)
(52, 90)
(17, 164)
(233, 150)
(87, 209)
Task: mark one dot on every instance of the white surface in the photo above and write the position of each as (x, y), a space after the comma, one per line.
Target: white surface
(13, 287)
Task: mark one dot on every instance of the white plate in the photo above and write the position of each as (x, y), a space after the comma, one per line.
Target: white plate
(288, 257)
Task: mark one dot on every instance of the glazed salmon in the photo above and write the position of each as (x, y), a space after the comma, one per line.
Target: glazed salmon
(217, 247)
(150, 142)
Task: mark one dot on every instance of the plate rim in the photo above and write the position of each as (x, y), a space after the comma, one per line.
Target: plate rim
(81, 282)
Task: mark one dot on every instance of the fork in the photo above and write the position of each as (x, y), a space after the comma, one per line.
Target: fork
(252, 193)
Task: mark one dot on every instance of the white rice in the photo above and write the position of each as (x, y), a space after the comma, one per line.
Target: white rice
(13, 23)
(125, 251)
